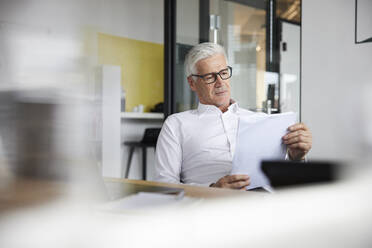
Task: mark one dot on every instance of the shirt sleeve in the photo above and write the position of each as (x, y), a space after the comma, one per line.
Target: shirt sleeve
(168, 157)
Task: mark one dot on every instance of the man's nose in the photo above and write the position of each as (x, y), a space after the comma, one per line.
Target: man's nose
(219, 81)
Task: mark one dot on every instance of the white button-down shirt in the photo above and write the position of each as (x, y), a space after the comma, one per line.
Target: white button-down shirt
(197, 146)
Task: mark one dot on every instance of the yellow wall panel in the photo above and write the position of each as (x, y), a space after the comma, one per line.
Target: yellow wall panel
(142, 68)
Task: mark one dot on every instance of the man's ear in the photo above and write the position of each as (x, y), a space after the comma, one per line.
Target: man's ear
(191, 82)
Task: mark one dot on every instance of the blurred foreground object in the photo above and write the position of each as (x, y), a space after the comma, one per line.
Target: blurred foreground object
(45, 140)
(327, 215)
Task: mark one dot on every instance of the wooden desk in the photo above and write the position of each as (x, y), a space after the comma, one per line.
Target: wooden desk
(120, 187)
(27, 193)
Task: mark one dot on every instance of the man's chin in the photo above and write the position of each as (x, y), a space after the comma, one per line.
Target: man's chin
(224, 102)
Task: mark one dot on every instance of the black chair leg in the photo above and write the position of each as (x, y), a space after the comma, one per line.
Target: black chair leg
(144, 163)
(131, 151)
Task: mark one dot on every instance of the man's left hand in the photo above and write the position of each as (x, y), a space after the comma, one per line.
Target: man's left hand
(298, 141)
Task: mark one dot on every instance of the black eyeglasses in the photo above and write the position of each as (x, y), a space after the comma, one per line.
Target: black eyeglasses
(210, 78)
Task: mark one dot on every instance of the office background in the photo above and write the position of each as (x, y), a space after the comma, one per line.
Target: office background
(62, 43)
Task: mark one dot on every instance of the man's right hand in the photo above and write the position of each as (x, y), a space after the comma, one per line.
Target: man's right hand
(233, 182)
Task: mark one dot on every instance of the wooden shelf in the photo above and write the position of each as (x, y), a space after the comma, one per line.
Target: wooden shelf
(134, 115)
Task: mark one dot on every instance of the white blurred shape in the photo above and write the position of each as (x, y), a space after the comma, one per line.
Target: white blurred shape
(111, 90)
(366, 116)
(333, 215)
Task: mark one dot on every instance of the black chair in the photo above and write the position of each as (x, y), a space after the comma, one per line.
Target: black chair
(150, 137)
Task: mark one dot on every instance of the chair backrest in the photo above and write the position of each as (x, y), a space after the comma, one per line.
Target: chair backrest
(151, 136)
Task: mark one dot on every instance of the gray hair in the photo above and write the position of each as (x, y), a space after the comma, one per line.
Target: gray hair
(199, 52)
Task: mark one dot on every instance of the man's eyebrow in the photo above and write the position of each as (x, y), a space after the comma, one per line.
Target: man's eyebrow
(212, 73)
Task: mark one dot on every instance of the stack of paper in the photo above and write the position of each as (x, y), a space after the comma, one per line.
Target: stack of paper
(260, 138)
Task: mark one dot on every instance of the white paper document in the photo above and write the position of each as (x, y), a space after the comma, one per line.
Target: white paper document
(260, 138)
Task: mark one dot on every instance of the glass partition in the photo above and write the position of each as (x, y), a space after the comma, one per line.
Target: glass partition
(187, 19)
(243, 34)
(262, 42)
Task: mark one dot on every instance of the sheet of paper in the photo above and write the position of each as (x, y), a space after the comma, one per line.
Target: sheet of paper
(260, 138)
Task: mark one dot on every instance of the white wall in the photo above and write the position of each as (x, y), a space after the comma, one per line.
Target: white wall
(336, 77)
(136, 19)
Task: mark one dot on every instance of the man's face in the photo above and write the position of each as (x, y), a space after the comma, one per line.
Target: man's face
(217, 93)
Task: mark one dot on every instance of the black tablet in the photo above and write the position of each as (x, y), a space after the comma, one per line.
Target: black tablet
(289, 173)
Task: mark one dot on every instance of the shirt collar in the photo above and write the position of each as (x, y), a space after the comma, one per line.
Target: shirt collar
(204, 108)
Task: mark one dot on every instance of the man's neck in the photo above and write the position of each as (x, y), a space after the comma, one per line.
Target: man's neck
(224, 108)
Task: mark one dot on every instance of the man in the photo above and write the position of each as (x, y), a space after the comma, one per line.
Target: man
(197, 146)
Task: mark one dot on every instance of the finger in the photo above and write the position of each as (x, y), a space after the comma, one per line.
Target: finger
(235, 178)
(302, 146)
(239, 185)
(297, 139)
(298, 126)
(296, 133)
